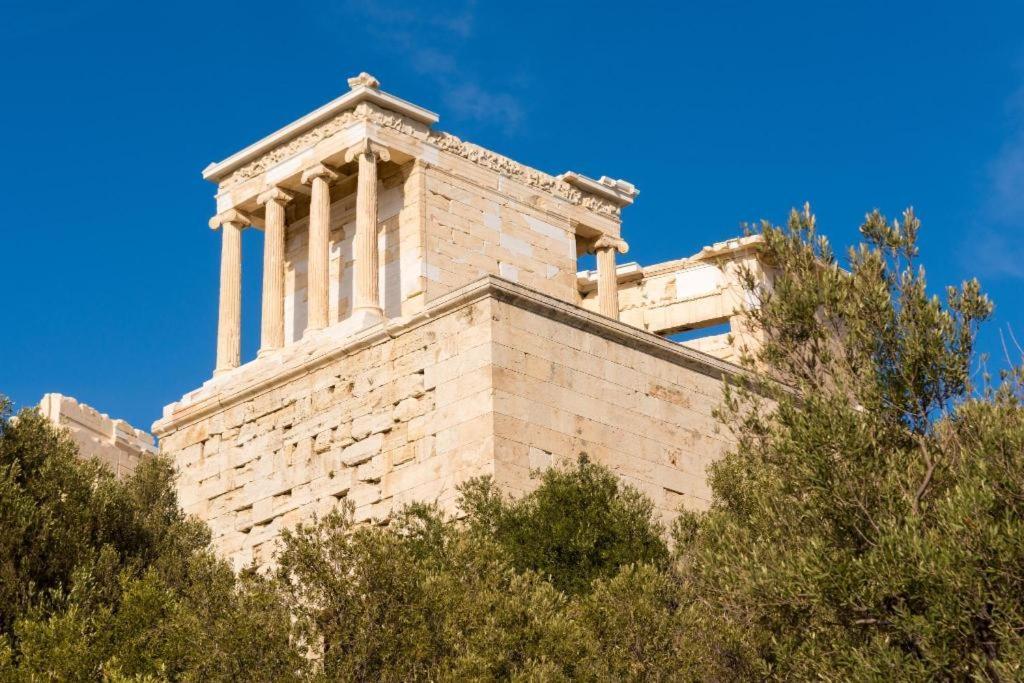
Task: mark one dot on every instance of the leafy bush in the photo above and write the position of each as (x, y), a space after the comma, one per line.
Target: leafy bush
(101, 578)
(428, 598)
(867, 525)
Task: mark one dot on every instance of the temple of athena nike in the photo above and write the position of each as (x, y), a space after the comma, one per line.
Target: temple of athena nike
(424, 320)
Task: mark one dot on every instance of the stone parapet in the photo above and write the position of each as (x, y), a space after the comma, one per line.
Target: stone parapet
(113, 442)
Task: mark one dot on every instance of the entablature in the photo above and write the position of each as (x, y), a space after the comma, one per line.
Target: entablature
(318, 123)
(365, 112)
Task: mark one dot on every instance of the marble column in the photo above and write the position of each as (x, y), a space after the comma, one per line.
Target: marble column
(607, 279)
(366, 260)
(319, 178)
(272, 323)
(229, 319)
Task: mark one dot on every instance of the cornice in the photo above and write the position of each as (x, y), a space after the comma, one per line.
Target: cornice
(619, 192)
(708, 256)
(510, 168)
(362, 92)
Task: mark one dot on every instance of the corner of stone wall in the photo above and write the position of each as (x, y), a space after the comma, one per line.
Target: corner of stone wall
(114, 442)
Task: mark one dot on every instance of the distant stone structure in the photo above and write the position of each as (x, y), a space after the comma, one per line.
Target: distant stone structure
(424, 321)
(115, 443)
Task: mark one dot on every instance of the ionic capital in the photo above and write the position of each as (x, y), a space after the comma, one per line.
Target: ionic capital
(609, 242)
(274, 194)
(319, 171)
(230, 217)
(374, 150)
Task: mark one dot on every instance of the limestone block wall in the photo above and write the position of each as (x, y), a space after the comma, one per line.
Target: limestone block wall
(492, 378)
(113, 442)
(375, 420)
(481, 223)
(566, 386)
(441, 226)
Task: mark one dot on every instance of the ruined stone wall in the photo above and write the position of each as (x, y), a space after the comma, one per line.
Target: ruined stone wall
(480, 223)
(113, 442)
(689, 294)
(489, 379)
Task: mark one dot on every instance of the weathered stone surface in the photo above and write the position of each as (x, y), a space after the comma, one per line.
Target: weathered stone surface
(115, 443)
(686, 294)
(509, 380)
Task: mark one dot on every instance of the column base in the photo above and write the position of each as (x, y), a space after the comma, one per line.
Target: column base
(362, 318)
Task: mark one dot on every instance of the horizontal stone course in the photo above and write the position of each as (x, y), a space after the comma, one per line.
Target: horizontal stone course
(492, 379)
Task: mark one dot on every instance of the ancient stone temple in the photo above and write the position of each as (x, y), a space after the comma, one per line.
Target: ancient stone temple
(424, 320)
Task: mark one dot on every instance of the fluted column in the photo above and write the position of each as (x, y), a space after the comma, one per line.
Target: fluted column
(319, 178)
(272, 323)
(607, 280)
(366, 287)
(229, 319)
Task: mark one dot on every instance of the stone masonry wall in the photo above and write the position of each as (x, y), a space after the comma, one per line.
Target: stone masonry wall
(561, 392)
(490, 379)
(480, 223)
(115, 443)
(441, 226)
(399, 420)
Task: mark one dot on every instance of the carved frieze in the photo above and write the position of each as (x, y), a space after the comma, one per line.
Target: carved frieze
(512, 169)
(289, 149)
(443, 141)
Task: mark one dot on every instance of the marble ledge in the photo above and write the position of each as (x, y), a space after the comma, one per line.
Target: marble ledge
(323, 346)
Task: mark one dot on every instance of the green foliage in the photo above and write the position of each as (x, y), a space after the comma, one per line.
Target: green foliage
(577, 526)
(101, 578)
(867, 525)
(504, 595)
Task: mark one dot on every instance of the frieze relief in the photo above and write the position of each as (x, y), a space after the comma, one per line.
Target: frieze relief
(289, 149)
(516, 171)
(443, 141)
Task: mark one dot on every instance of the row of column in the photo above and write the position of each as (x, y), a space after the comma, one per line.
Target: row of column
(366, 290)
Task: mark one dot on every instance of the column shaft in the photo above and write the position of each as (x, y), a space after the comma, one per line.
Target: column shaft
(272, 324)
(367, 262)
(319, 254)
(607, 283)
(229, 321)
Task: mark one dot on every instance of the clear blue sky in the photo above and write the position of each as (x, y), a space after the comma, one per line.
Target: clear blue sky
(719, 112)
